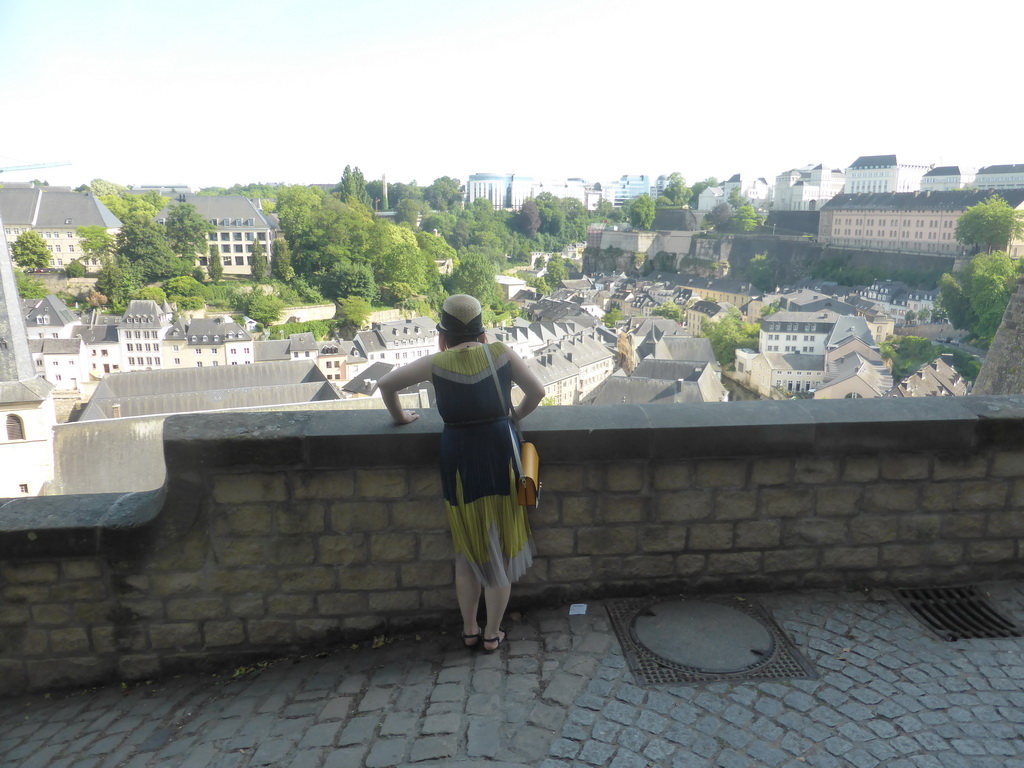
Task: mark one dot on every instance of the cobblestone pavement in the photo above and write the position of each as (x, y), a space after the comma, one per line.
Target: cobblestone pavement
(561, 694)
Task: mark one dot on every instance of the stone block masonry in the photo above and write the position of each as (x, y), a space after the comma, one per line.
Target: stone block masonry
(277, 532)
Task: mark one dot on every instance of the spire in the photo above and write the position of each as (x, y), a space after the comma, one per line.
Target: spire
(18, 380)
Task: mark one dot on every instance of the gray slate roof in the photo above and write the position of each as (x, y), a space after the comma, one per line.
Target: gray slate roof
(874, 161)
(41, 207)
(952, 200)
(222, 207)
(188, 390)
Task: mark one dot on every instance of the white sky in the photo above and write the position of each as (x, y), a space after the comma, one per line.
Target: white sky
(236, 91)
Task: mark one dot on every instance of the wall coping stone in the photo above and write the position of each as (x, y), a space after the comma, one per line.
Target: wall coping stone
(197, 444)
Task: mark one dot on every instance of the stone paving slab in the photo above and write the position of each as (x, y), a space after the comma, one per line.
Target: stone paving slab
(561, 694)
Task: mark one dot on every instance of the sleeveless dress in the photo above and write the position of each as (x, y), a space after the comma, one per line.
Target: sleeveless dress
(478, 469)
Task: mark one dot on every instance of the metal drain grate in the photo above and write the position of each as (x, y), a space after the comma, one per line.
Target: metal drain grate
(781, 662)
(957, 613)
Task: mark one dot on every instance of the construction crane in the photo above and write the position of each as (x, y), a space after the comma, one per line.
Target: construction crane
(34, 166)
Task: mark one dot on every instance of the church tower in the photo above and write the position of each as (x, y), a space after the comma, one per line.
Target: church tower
(27, 414)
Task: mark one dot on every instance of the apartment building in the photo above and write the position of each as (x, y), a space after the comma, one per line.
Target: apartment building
(207, 342)
(883, 173)
(55, 213)
(909, 222)
(807, 188)
(946, 178)
(239, 223)
(1000, 177)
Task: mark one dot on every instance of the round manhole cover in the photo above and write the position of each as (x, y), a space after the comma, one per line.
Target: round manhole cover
(705, 636)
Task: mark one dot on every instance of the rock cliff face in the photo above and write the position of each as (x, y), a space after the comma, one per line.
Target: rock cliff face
(1003, 371)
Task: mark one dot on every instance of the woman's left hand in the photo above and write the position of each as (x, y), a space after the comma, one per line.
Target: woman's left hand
(408, 417)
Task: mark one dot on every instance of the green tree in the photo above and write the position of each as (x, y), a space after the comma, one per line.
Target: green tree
(475, 275)
(187, 231)
(117, 279)
(144, 244)
(407, 212)
(557, 271)
(352, 187)
(29, 251)
(75, 269)
(283, 261)
(552, 217)
(745, 219)
(976, 299)
(669, 310)
(96, 241)
(729, 334)
(720, 214)
(101, 187)
(259, 265)
(641, 212)
(263, 308)
(151, 293)
(736, 199)
(29, 287)
(992, 277)
(354, 311)
(444, 194)
(676, 194)
(760, 272)
(611, 317)
(215, 265)
(990, 225)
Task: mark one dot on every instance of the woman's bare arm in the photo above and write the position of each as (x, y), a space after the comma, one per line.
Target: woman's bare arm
(398, 379)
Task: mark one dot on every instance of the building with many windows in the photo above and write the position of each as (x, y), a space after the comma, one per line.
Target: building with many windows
(239, 223)
(55, 214)
(946, 178)
(909, 222)
(883, 173)
(207, 342)
(807, 188)
(1000, 177)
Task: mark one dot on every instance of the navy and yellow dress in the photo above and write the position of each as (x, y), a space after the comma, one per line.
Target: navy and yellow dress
(478, 469)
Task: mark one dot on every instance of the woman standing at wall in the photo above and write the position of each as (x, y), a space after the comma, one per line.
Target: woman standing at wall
(490, 531)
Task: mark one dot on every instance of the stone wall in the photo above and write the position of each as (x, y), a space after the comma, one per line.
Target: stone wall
(287, 530)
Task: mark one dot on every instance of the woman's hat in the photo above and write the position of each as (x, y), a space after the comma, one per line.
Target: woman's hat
(461, 315)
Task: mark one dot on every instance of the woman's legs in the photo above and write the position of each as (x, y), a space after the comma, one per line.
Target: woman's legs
(496, 600)
(467, 591)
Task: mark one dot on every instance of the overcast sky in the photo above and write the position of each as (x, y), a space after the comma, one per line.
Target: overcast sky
(224, 91)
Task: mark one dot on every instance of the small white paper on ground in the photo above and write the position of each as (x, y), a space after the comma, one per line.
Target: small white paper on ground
(577, 609)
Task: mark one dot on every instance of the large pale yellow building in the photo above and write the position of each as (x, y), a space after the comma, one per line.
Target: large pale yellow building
(907, 222)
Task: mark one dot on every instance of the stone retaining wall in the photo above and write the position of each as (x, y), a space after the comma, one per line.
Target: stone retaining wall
(283, 530)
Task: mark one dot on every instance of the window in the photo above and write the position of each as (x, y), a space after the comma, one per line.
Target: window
(23, 487)
(15, 428)
(177, 361)
(237, 235)
(239, 261)
(225, 248)
(225, 235)
(199, 351)
(239, 248)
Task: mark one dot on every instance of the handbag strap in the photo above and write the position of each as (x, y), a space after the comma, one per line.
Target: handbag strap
(505, 408)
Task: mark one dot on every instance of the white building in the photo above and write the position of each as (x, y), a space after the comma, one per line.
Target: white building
(946, 178)
(883, 173)
(398, 341)
(207, 342)
(140, 333)
(807, 188)
(1000, 177)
